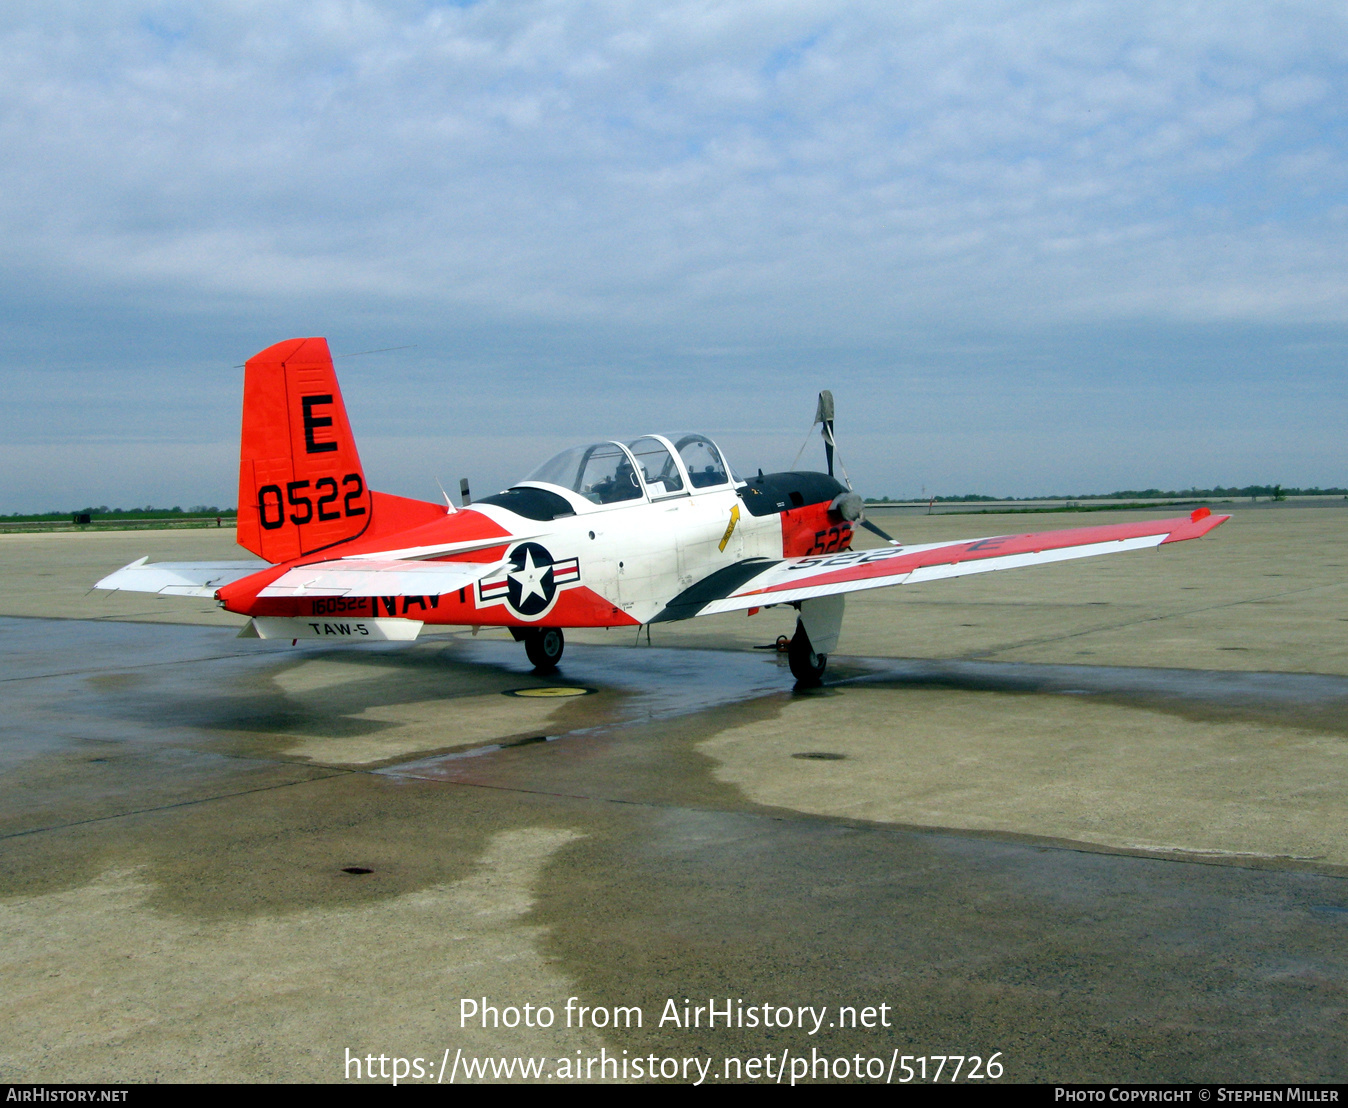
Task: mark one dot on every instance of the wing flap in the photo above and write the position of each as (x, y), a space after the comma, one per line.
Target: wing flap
(378, 577)
(177, 578)
(826, 575)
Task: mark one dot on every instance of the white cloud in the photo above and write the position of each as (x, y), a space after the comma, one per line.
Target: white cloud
(761, 173)
(541, 155)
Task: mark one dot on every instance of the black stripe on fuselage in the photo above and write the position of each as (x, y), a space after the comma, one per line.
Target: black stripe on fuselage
(716, 586)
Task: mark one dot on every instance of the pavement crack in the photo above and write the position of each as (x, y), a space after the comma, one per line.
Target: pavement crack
(176, 804)
(1045, 640)
(123, 669)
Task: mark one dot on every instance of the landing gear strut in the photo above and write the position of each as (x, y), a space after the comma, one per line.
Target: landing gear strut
(544, 645)
(807, 667)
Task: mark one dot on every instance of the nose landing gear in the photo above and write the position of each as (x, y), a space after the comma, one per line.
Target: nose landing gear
(807, 667)
(544, 645)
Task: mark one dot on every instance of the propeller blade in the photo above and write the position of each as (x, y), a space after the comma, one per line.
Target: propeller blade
(866, 523)
(823, 414)
(823, 411)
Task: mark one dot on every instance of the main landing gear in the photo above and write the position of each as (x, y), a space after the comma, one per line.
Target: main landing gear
(544, 645)
(807, 667)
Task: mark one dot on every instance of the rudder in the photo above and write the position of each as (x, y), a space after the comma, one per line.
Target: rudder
(301, 485)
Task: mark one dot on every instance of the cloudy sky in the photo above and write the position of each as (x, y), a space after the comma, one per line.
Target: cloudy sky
(1032, 248)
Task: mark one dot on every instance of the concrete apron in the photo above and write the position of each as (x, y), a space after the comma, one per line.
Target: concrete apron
(181, 808)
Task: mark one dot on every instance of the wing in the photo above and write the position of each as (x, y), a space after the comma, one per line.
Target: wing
(378, 577)
(756, 584)
(177, 578)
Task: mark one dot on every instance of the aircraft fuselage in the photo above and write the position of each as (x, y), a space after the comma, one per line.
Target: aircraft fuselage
(604, 565)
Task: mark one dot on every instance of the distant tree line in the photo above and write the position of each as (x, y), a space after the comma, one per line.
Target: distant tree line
(1275, 492)
(104, 512)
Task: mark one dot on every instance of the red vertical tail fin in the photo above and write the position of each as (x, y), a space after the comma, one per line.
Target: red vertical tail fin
(301, 485)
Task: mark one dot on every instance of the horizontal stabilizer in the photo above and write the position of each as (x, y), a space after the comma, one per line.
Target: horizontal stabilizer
(378, 577)
(177, 578)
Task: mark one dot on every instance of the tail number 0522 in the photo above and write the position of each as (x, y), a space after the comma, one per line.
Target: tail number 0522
(272, 507)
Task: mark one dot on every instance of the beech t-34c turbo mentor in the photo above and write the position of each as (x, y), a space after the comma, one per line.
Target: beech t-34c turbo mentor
(611, 534)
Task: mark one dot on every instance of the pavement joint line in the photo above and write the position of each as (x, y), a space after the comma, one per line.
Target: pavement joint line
(132, 617)
(121, 669)
(1145, 619)
(176, 804)
(137, 617)
(1082, 669)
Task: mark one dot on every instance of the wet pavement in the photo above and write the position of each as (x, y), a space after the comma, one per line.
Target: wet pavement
(194, 762)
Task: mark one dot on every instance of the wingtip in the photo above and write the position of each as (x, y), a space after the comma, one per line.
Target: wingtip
(103, 582)
(1199, 523)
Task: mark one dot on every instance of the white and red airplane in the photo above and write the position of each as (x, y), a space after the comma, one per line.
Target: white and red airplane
(610, 534)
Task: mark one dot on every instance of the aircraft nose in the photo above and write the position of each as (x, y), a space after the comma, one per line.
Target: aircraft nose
(847, 504)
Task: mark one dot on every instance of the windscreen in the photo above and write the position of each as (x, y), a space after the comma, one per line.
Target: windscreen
(602, 472)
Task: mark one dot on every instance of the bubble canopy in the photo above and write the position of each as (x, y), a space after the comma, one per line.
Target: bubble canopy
(651, 466)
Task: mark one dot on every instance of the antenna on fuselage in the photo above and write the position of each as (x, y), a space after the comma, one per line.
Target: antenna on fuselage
(465, 498)
(449, 504)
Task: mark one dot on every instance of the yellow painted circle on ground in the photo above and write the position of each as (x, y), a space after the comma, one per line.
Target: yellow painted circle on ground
(551, 690)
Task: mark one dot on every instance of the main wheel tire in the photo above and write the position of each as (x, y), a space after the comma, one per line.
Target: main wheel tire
(807, 667)
(544, 646)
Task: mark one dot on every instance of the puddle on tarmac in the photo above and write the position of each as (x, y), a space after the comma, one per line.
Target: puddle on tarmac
(654, 683)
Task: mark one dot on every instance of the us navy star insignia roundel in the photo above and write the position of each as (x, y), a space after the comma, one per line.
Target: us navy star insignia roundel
(529, 583)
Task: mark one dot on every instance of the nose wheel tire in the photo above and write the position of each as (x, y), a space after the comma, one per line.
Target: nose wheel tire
(544, 645)
(807, 667)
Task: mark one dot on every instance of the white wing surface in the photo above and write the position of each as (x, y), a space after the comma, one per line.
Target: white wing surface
(758, 584)
(378, 577)
(177, 578)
